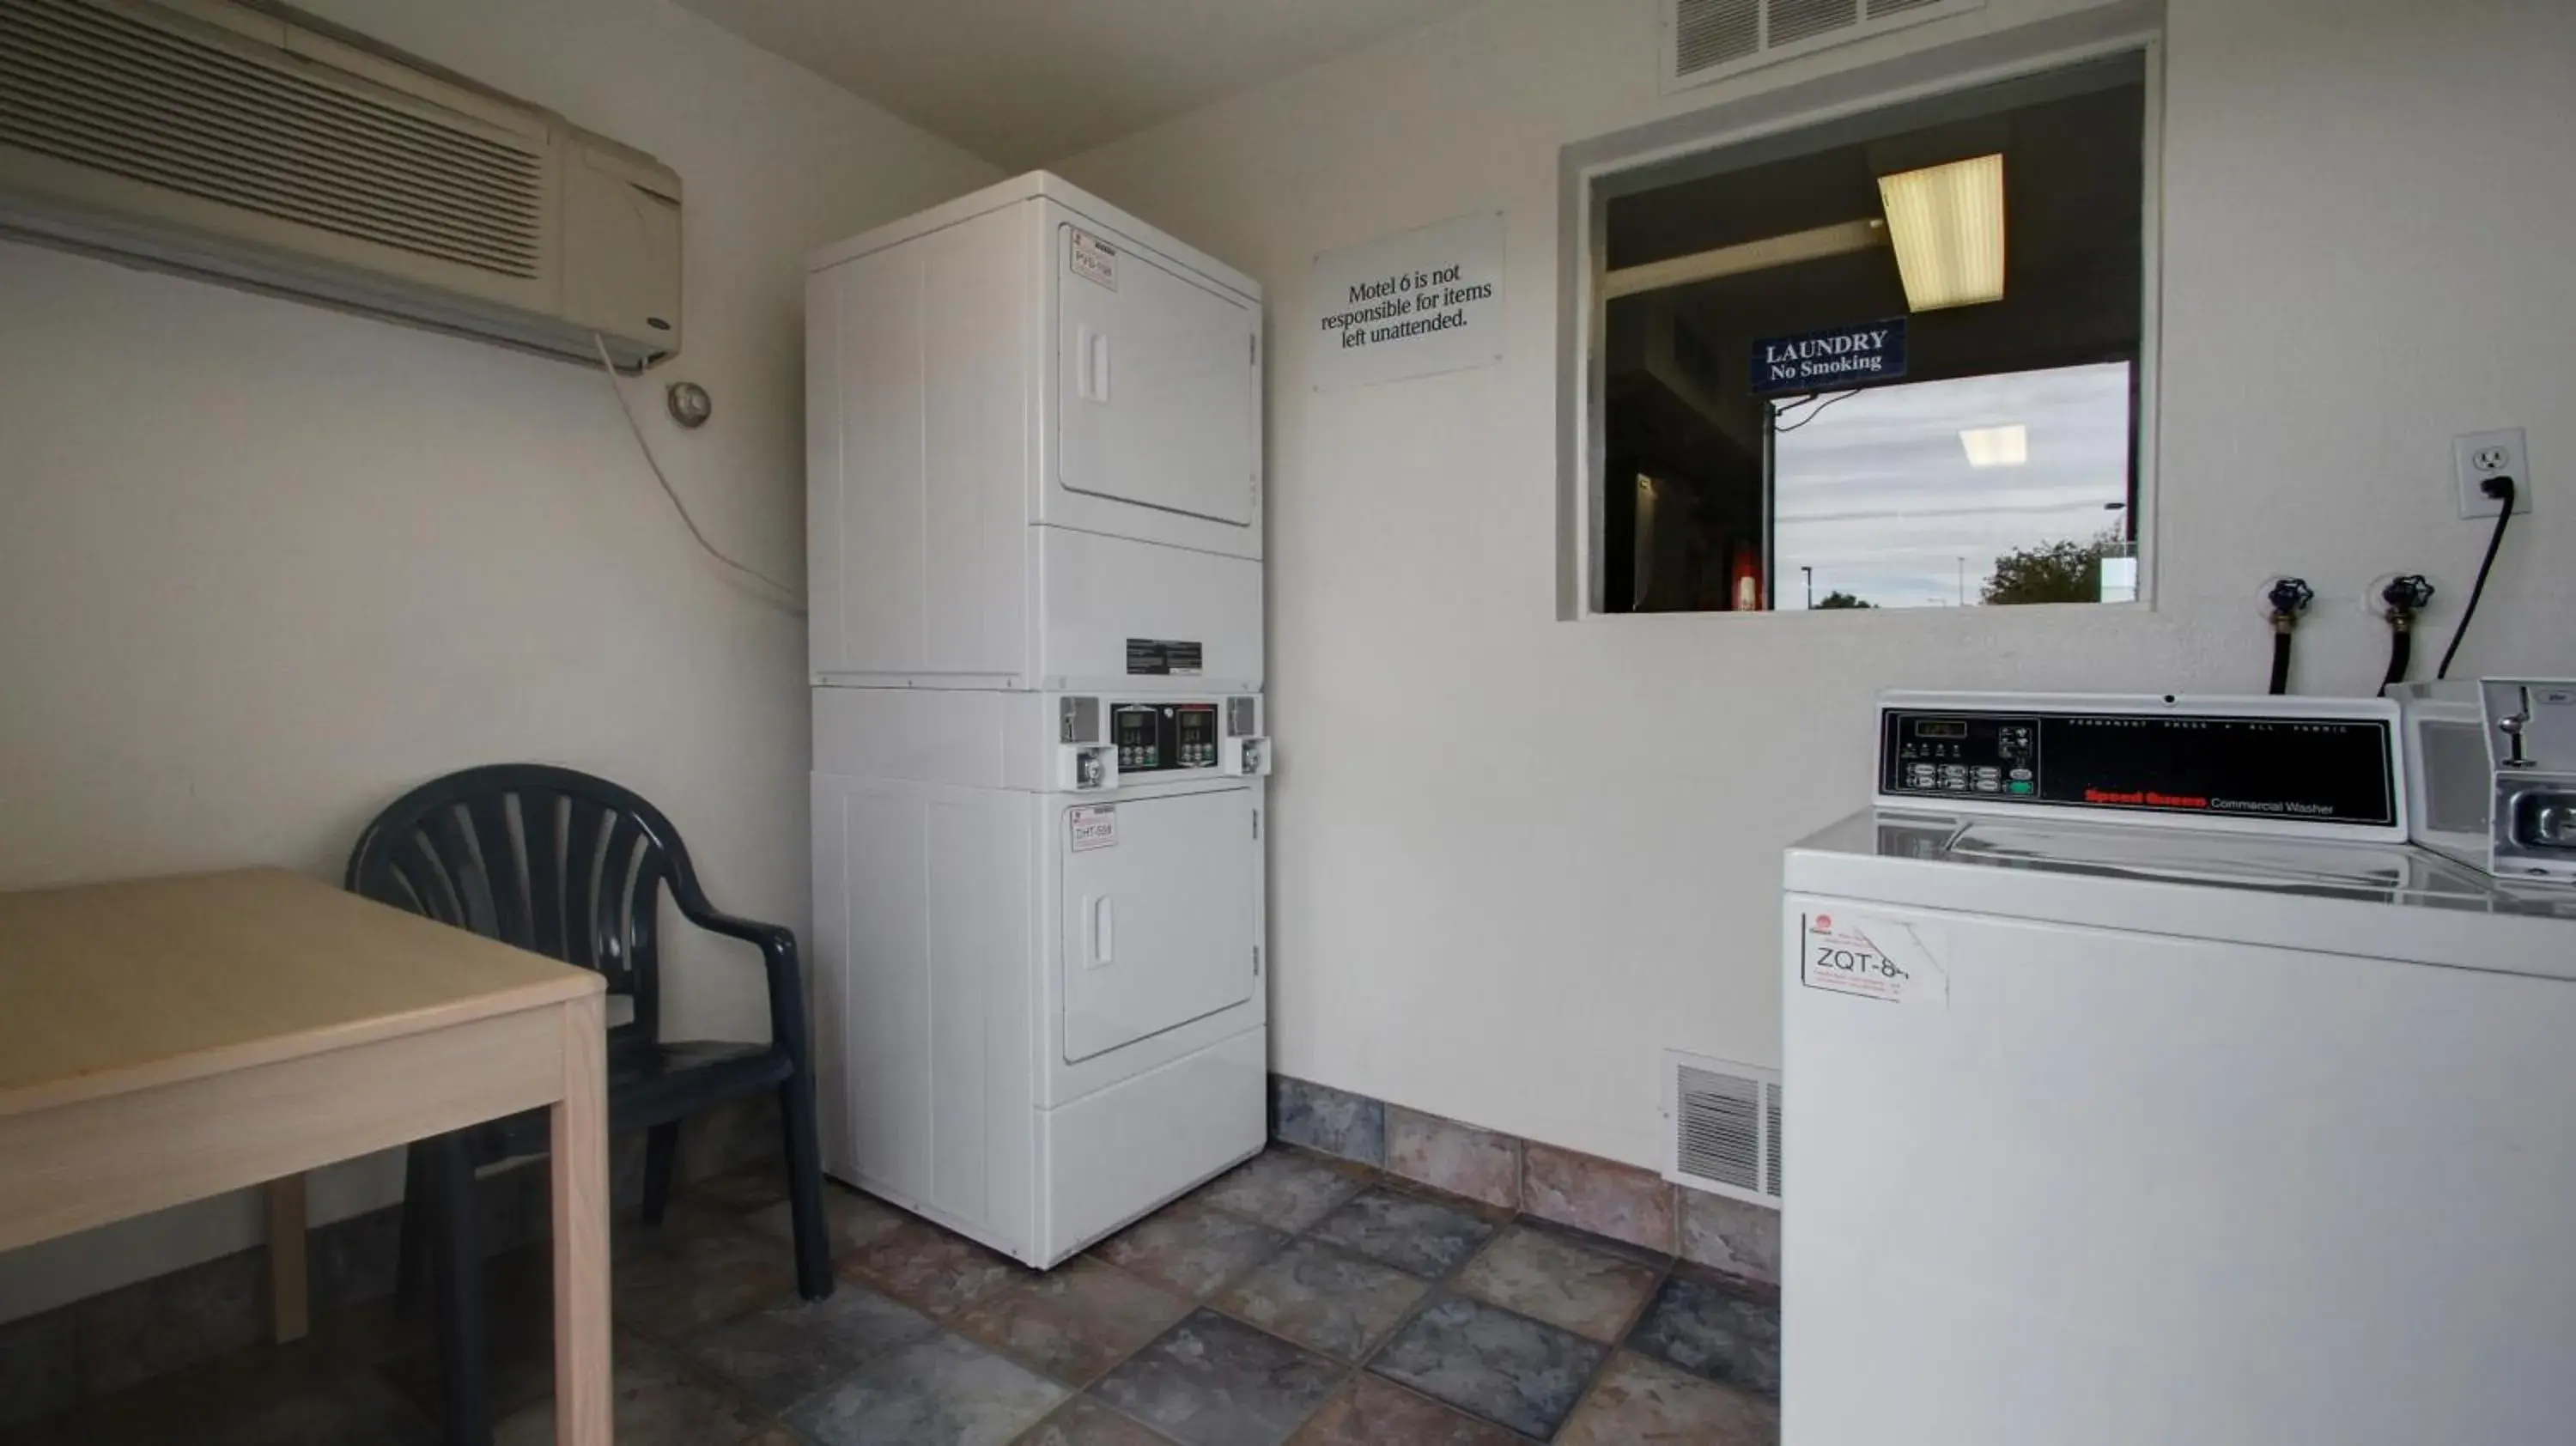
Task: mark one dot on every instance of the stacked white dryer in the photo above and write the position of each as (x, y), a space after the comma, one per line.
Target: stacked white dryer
(1034, 467)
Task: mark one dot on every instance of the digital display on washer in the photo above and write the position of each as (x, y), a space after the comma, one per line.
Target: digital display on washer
(2313, 770)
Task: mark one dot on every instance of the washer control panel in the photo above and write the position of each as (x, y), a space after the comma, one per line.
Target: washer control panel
(2198, 759)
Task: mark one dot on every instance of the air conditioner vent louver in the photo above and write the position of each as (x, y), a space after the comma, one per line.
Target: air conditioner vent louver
(1707, 40)
(1725, 1127)
(1796, 20)
(93, 87)
(1712, 32)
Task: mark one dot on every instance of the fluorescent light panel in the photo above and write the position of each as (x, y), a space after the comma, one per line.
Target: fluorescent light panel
(1947, 224)
(1997, 446)
(1762, 255)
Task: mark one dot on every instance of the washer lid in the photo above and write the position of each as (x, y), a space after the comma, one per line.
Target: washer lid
(2378, 900)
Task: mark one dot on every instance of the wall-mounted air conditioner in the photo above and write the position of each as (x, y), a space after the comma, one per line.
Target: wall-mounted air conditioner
(1707, 40)
(232, 141)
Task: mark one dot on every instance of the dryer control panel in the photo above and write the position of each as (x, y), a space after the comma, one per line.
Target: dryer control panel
(1155, 737)
(2313, 766)
(1100, 741)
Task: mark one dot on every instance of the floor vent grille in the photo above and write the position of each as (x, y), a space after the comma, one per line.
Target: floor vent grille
(1725, 1127)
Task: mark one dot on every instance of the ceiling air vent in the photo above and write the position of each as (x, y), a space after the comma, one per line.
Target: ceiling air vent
(1725, 1121)
(1707, 40)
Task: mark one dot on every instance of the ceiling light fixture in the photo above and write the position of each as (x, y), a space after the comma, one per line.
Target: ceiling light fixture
(1745, 256)
(1997, 446)
(1947, 223)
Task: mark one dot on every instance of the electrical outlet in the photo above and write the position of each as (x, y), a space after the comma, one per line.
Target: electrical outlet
(2477, 456)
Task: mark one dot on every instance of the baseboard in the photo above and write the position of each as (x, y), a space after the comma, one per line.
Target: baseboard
(1606, 1197)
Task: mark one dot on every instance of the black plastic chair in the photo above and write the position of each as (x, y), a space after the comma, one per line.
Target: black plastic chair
(573, 866)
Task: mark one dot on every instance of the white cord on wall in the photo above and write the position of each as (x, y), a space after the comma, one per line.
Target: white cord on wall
(780, 595)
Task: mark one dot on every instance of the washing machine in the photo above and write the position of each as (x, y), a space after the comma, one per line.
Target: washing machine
(1034, 492)
(2170, 1096)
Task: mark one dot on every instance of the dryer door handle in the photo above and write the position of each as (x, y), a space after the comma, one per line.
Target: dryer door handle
(1091, 365)
(1103, 910)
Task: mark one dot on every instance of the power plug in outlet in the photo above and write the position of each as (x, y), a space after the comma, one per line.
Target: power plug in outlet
(2477, 456)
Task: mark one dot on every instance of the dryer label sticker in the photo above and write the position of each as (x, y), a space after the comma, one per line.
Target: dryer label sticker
(1159, 657)
(1095, 827)
(1094, 260)
(1889, 960)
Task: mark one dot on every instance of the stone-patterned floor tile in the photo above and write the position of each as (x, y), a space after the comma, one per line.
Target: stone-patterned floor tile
(1478, 1164)
(1550, 1278)
(519, 1311)
(1503, 1367)
(1286, 1189)
(657, 1401)
(855, 1219)
(1410, 1232)
(1074, 1322)
(170, 1322)
(277, 1409)
(38, 1376)
(783, 1354)
(1372, 1412)
(1654, 1260)
(1210, 1381)
(1642, 1399)
(1324, 1298)
(686, 1215)
(1730, 1236)
(1605, 1197)
(1086, 1422)
(1320, 1117)
(744, 1188)
(922, 1265)
(685, 1276)
(1726, 1335)
(943, 1389)
(1190, 1248)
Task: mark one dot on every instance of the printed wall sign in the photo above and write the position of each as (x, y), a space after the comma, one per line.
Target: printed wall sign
(1410, 305)
(1830, 360)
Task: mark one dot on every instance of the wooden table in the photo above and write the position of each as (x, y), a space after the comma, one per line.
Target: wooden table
(166, 1039)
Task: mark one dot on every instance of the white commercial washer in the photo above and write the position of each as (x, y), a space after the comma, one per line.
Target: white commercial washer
(2172, 1098)
(1034, 494)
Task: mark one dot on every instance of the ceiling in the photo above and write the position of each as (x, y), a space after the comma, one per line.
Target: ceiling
(1026, 82)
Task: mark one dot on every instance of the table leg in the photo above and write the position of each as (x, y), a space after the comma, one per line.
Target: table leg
(289, 1300)
(580, 1164)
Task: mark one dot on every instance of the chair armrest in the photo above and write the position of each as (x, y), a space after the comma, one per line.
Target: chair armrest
(777, 944)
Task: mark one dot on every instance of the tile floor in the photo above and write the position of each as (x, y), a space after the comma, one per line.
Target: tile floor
(1299, 1299)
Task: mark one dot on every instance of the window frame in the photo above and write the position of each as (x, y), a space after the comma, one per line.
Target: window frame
(1592, 172)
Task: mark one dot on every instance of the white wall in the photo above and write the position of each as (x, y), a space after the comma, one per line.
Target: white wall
(1515, 857)
(264, 565)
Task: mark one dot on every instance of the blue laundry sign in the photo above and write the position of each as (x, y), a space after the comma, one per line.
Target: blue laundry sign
(1840, 356)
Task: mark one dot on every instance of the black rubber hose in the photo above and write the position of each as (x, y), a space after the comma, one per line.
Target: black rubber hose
(2497, 487)
(2280, 657)
(2401, 650)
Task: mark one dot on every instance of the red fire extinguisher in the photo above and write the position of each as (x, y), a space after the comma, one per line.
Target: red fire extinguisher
(1747, 579)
